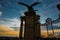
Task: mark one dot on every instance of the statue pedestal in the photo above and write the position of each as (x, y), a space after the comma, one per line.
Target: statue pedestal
(32, 26)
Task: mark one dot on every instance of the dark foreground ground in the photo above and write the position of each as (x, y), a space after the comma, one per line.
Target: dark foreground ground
(15, 38)
(9, 38)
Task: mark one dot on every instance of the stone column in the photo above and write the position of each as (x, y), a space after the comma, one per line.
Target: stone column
(29, 26)
(32, 26)
(21, 28)
(37, 27)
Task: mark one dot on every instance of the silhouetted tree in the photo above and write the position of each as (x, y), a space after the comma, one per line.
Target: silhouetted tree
(58, 6)
(49, 23)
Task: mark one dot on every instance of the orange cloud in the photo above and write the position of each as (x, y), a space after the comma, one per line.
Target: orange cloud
(6, 31)
(44, 32)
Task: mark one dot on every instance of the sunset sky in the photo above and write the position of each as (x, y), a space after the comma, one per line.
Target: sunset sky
(10, 11)
(7, 31)
(10, 32)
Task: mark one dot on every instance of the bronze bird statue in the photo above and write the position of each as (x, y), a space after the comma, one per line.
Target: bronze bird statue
(29, 7)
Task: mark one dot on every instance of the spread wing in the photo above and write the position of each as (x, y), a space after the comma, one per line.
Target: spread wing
(29, 7)
(23, 4)
(35, 3)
